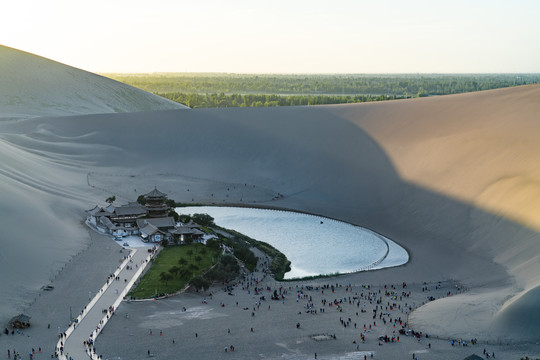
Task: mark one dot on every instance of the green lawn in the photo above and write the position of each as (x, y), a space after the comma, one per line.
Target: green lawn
(151, 284)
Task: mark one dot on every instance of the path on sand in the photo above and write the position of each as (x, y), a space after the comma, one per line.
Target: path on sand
(96, 314)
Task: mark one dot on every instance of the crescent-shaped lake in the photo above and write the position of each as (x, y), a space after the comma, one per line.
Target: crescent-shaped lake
(315, 245)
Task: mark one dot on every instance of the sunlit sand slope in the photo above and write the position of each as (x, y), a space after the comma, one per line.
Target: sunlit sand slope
(31, 85)
(480, 149)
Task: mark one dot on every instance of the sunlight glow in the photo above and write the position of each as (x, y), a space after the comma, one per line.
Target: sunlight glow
(302, 36)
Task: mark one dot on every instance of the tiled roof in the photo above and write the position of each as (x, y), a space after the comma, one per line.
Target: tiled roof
(99, 211)
(162, 222)
(149, 230)
(155, 193)
(192, 224)
(107, 222)
(130, 210)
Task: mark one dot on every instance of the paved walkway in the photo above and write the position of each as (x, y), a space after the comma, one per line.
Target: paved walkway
(96, 314)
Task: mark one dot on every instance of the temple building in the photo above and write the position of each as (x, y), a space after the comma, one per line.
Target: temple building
(156, 204)
(149, 221)
(117, 220)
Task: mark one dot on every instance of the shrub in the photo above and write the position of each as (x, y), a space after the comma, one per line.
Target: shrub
(203, 219)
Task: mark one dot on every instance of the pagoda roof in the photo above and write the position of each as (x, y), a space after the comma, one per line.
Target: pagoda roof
(155, 193)
(161, 222)
(130, 209)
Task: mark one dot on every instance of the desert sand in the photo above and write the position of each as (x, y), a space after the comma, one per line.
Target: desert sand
(453, 179)
(36, 86)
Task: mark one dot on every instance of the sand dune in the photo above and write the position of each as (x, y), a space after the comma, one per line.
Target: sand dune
(35, 86)
(452, 179)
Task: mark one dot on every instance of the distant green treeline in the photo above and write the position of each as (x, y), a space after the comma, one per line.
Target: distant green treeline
(227, 90)
(214, 100)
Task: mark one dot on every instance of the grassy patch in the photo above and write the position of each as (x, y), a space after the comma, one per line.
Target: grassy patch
(194, 255)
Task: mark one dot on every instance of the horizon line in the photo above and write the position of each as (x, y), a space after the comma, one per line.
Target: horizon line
(315, 73)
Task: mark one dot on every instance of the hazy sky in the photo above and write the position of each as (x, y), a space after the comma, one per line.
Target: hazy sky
(293, 36)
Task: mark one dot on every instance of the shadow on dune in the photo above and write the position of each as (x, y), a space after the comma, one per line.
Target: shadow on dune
(326, 165)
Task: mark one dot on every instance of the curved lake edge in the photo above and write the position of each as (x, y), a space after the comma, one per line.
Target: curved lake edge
(371, 267)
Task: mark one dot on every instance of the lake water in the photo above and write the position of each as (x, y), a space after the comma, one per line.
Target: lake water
(314, 245)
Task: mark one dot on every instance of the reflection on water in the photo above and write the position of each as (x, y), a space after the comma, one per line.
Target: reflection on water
(314, 245)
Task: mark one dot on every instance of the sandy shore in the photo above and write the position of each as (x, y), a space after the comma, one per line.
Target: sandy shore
(219, 318)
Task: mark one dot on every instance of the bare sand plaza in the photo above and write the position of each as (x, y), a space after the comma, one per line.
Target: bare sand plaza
(455, 180)
(324, 319)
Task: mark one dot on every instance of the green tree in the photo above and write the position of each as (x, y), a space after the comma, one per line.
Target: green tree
(226, 90)
(199, 282)
(226, 270)
(174, 215)
(182, 261)
(111, 199)
(203, 219)
(184, 273)
(243, 253)
(165, 277)
(213, 244)
(193, 267)
(229, 263)
(185, 218)
(174, 270)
